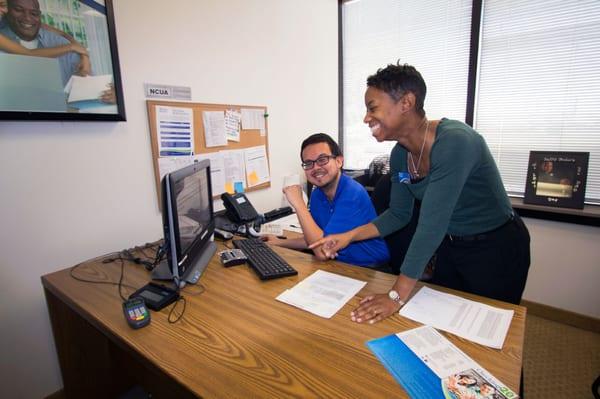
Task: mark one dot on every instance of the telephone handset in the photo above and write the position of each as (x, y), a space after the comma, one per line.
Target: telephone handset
(239, 209)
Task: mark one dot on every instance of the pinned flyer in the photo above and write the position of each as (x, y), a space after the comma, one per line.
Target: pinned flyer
(175, 131)
(214, 128)
(233, 119)
(257, 167)
(233, 160)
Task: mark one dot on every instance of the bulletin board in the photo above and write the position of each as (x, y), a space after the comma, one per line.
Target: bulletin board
(248, 137)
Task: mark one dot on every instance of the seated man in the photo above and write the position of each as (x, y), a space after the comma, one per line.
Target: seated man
(337, 204)
(24, 26)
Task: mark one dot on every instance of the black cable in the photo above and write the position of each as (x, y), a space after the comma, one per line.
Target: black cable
(127, 255)
(112, 257)
(172, 311)
(119, 284)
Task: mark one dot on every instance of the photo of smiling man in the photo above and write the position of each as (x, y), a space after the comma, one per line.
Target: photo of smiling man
(22, 24)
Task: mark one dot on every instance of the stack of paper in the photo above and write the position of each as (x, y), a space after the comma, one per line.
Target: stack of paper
(472, 320)
(322, 293)
(271, 229)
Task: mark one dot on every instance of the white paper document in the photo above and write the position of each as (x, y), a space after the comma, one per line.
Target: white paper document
(471, 320)
(322, 293)
(217, 171)
(290, 223)
(253, 119)
(235, 170)
(214, 128)
(175, 131)
(257, 166)
(271, 229)
(87, 87)
(232, 124)
(171, 164)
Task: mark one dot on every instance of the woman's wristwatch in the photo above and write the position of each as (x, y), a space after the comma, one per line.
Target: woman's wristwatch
(394, 296)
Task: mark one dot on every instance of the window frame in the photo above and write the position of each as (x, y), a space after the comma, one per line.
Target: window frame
(589, 215)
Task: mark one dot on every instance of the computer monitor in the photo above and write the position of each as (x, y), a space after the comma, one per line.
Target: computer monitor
(188, 223)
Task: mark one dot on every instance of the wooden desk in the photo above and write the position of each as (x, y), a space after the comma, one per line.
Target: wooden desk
(235, 339)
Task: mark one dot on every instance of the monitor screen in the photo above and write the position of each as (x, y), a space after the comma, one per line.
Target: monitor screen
(194, 208)
(188, 221)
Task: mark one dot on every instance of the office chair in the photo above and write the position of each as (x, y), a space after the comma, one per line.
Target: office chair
(369, 177)
(379, 166)
(596, 388)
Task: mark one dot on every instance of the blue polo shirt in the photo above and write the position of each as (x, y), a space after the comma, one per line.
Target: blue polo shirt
(351, 207)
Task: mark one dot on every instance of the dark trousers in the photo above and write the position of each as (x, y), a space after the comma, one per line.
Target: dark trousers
(493, 265)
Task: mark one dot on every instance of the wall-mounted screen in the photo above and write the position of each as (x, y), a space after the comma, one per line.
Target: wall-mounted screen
(59, 61)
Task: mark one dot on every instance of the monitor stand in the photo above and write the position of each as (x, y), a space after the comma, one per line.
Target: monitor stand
(193, 272)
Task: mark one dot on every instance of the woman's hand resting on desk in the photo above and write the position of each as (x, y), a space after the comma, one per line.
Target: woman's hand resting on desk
(374, 308)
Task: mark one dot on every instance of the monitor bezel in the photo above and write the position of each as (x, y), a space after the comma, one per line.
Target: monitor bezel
(179, 261)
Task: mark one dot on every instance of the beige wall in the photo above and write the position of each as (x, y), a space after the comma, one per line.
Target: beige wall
(75, 190)
(565, 266)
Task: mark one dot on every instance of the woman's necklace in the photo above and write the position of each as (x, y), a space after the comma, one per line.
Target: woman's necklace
(416, 167)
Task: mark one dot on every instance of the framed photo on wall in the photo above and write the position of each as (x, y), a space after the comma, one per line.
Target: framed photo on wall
(556, 179)
(62, 64)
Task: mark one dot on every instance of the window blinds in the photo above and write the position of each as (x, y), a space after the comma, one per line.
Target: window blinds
(431, 35)
(539, 84)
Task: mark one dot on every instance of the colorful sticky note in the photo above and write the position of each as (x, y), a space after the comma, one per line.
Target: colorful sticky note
(238, 187)
(253, 178)
(229, 187)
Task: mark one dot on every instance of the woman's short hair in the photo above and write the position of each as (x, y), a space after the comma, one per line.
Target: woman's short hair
(397, 80)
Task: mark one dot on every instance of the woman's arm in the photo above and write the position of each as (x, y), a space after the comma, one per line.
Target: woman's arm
(15, 48)
(333, 243)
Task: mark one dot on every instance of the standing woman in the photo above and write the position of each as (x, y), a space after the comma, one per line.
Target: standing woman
(466, 215)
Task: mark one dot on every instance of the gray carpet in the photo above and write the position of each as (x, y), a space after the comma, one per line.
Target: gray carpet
(559, 361)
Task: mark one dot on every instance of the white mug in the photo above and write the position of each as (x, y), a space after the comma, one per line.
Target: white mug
(291, 180)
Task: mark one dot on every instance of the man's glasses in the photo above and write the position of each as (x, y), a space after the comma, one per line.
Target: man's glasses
(321, 161)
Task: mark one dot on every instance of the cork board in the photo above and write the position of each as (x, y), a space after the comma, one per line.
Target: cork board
(248, 138)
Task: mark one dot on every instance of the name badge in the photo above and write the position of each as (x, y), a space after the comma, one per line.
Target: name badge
(404, 177)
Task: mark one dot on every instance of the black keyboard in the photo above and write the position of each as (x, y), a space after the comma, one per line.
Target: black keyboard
(265, 262)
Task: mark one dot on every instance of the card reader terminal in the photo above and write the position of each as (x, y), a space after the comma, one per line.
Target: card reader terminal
(136, 314)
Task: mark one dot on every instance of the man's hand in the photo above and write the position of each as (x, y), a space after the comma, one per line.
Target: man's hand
(109, 96)
(271, 239)
(293, 194)
(374, 308)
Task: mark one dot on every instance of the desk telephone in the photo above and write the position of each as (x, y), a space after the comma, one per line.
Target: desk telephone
(239, 209)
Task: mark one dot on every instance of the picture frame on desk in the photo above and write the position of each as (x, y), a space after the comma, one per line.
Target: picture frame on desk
(556, 178)
(73, 74)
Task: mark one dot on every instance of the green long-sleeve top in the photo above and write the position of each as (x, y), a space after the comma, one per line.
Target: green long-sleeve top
(462, 195)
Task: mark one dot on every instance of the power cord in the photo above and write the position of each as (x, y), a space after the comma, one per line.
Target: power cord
(127, 255)
(172, 311)
(119, 284)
